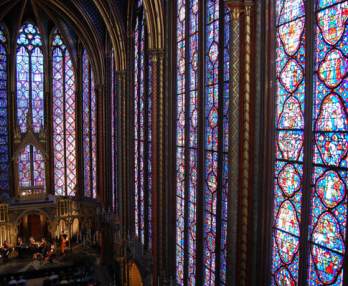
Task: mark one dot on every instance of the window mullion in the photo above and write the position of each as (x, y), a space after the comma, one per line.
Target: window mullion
(308, 141)
(138, 129)
(90, 129)
(30, 111)
(146, 157)
(187, 141)
(64, 122)
(201, 153)
(220, 140)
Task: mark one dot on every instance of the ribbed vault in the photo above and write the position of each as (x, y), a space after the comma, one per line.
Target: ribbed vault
(90, 22)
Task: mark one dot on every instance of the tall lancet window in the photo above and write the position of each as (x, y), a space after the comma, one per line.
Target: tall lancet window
(30, 78)
(64, 128)
(89, 106)
(310, 181)
(202, 103)
(30, 107)
(4, 138)
(142, 131)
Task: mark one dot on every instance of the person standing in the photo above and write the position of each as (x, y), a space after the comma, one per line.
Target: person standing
(63, 242)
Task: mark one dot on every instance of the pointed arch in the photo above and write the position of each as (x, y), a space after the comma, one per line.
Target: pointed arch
(155, 22)
(30, 78)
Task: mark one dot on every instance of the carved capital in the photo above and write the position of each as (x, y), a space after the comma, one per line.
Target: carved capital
(17, 135)
(156, 55)
(42, 134)
(121, 74)
(99, 88)
(239, 7)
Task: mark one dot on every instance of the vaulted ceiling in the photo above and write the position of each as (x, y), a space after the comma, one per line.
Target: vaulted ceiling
(88, 21)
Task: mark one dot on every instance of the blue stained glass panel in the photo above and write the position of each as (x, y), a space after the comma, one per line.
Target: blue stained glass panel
(30, 78)
(189, 118)
(64, 129)
(86, 124)
(89, 128)
(142, 103)
(180, 141)
(22, 88)
(289, 124)
(4, 140)
(30, 106)
(327, 230)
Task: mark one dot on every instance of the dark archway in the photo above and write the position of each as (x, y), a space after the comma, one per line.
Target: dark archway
(33, 225)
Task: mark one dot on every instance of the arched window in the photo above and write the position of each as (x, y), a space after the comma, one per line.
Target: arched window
(64, 110)
(30, 78)
(202, 103)
(4, 136)
(89, 129)
(142, 130)
(30, 107)
(310, 181)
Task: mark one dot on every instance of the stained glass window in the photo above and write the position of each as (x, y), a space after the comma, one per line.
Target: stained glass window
(328, 227)
(325, 191)
(4, 139)
(31, 171)
(64, 129)
(190, 118)
(289, 125)
(89, 129)
(142, 131)
(30, 78)
(30, 107)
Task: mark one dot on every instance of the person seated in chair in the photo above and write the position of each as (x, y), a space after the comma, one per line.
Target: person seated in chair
(41, 250)
(51, 253)
(43, 247)
(5, 251)
(32, 245)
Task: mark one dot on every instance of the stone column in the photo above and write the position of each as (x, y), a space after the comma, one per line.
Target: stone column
(158, 190)
(100, 98)
(239, 141)
(122, 155)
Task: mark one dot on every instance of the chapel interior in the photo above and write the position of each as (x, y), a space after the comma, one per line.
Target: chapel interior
(174, 142)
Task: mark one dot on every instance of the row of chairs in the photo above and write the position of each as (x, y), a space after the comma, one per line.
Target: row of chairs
(66, 276)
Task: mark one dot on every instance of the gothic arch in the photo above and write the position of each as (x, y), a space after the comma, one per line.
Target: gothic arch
(116, 32)
(85, 29)
(155, 24)
(33, 211)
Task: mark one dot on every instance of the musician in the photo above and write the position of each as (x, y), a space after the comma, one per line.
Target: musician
(32, 243)
(51, 253)
(5, 251)
(33, 247)
(63, 243)
(43, 247)
(20, 247)
(41, 250)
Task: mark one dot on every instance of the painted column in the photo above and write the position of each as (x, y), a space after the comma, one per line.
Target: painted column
(239, 141)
